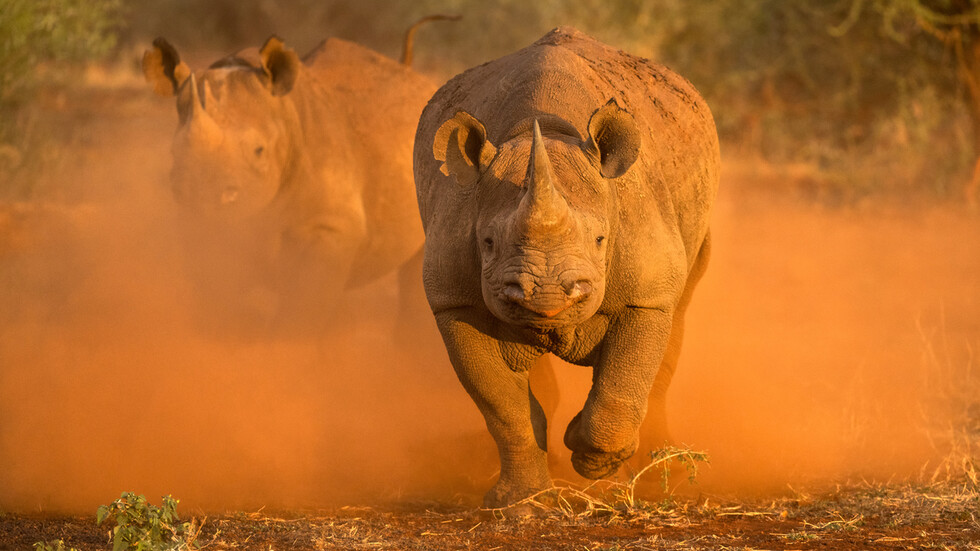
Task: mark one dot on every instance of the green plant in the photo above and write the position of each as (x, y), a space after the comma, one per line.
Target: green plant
(35, 31)
(53, 545)
(801, 536)
(40, 40)
(141, 526)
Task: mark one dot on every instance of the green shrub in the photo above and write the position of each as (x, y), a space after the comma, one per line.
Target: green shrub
(857, 88)
(52, 33)
(54, 545)
(141, 526)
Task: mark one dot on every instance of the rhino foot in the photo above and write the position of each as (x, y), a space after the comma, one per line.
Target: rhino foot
(590, 461)
(596, 465)
(507, 494)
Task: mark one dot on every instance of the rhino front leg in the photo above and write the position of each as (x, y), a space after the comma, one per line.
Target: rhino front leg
(317, 258)
(501, 391)
(606, 432)
(414, 322)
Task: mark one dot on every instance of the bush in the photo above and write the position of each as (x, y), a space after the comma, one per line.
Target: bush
(55, 545)
(860, 90)
(144, 527)
(857, 89)
(44, 32)
(869, 93)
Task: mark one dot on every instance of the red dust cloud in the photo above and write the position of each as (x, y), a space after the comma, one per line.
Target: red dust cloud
(823, 344)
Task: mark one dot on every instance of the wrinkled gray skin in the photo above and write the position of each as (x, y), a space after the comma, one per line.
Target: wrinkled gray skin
(307, 162)
(565, 191)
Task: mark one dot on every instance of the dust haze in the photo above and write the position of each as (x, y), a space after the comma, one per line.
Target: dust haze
(823, 344)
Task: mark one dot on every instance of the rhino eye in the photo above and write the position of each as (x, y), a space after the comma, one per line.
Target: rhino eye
(488, 244)
(259, 150)
(599, 240)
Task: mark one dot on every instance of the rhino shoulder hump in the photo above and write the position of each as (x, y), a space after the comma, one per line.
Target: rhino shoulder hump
(337, 52)
(562, 35)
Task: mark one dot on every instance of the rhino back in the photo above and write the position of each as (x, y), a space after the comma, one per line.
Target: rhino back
(362, 112)
(664, 198)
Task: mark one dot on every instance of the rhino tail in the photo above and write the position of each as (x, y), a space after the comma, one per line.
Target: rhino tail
(410, 34)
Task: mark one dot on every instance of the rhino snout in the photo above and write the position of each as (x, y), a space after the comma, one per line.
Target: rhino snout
(547, 300)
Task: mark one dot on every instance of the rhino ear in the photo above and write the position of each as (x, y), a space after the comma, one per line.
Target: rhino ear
(461, 144)
(281, 65)
(163, 68)
(614, 139)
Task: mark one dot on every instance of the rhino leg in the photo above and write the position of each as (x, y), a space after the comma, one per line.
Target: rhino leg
(544, 387)
(414, 316)
(316, 264)
(501, 391)
(606, 432)
(654, 430)
(544, 384)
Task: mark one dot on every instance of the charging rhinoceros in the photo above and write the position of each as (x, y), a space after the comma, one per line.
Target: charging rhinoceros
(298, 169)
(565, 191)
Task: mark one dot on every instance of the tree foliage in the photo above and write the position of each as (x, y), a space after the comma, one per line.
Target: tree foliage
(857, 87)
(44, 32)
(872, 93)
(36, 31)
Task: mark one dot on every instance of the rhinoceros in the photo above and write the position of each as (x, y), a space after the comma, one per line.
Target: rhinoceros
(565, 192)
(306, 161)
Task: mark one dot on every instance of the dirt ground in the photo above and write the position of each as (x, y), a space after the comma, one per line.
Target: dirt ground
(880, 517)
(829, 372)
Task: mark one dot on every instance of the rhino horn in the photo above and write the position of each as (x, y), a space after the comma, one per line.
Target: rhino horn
(196, 106)
(208, 100)
(543, 209)
(201, 126)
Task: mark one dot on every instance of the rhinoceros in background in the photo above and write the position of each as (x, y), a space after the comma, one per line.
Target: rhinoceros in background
(297, 171)
(565, 191)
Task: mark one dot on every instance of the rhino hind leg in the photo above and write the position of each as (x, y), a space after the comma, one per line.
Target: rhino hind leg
(544, 384)
(654, 433)
(545, 388)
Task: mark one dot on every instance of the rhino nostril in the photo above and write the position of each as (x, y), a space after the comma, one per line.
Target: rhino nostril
(229, 195)
(579, 290)
(515, 292)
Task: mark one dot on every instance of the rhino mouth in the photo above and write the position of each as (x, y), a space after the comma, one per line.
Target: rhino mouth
(544, 306)
(531, 318)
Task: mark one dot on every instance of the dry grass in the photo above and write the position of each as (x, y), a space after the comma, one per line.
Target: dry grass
(607, 497)
(950, 409)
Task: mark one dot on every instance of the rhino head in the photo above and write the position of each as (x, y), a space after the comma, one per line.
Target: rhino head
(547, 211)
(232, 147)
